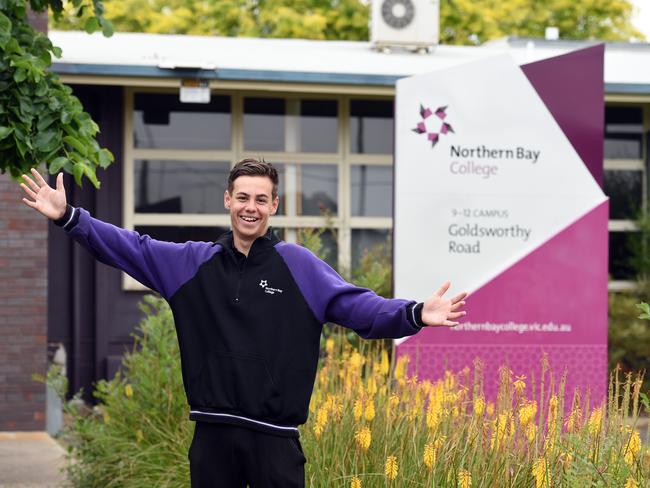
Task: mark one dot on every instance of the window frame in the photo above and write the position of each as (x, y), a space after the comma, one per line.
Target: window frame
(342, 223)
(637, 164)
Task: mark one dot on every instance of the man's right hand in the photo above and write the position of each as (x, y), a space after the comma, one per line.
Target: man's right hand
(44, 198)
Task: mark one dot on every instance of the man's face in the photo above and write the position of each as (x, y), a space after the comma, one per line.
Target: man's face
(250, 206)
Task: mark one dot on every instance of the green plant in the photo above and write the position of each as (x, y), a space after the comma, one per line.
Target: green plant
(40, 120)
(629, 332)
(139, 433)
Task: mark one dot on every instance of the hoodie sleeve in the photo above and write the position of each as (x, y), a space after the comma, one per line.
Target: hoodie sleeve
(332, 299)
(161, 266)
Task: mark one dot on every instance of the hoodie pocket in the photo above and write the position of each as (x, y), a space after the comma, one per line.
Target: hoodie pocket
(238, 382)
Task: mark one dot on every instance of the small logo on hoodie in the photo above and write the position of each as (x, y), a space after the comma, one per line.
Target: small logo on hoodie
(267, 289)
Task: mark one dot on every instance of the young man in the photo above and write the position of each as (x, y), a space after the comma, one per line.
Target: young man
(248, 311)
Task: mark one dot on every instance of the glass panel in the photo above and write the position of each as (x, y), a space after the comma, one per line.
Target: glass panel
(161, 121)
(376, 241)
(317, 189)
(329, 249)
(625, 190)
(621, 250)
(371, 126)
(264, 121)
(180, 186)
(372, 191)
(623, 132)
(181, 234)
(318, 126)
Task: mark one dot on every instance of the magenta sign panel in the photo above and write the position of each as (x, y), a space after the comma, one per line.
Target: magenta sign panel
(502, 165)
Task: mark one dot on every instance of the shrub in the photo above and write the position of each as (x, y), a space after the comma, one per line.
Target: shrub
(369, 426)
(139, 434)
(629, 336)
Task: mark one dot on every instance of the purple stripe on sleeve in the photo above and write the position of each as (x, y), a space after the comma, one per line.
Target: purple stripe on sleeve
(332, 299)
(161, 266)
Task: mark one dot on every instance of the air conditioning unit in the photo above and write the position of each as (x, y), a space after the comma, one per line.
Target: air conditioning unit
(410, 23)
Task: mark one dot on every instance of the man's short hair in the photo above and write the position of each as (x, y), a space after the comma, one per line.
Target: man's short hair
(254, 167)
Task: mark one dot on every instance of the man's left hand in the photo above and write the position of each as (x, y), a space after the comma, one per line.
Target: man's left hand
(438, 311)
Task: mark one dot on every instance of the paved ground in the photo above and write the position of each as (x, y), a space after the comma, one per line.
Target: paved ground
(30, 460)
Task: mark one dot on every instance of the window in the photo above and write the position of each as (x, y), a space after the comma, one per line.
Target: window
(333, 155)
(625, 184)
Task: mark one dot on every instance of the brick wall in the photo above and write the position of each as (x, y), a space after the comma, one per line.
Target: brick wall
(23, 311)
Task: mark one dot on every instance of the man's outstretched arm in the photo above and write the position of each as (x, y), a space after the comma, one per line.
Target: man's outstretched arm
(332, 299)
(161, 266)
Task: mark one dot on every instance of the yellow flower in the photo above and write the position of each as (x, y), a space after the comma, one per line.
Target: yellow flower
(393, 402)
(372, 386)
(384, 364)
(490, 409)
(329, 346)
(321, 416)
(355, 483)
(520, 384)
(370, 410)
(595, 421)
(633, 447)
(631, 483)
(527, 413)
(128, 390)
(464, 479)
(479, 406)
(573, 422)
(531, 432)
(439, 442)
(357, 410)
(434, 415)
(318, 430)
(540, 472)
(363, 438)
(502, 429)
(400, 367)
(391, 468)
(429, 456)
(356, 360)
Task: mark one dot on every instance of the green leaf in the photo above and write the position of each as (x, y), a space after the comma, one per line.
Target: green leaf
(20, 75)
(90, 174)
(645, 310)
(107, 28)
(42, 139)
(78, 145)
(5, 131)
(5, 24)
(57, 164)
(57, 51)
(78, 172)
(91, 25)
(105, 158)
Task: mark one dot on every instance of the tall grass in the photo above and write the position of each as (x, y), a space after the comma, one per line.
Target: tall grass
(371, 425)
(367, 413)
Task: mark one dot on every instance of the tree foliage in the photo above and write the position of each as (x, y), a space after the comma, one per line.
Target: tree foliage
(40, 120)
(462, 21)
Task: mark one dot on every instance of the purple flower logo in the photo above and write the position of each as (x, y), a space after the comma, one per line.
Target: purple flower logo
(428, 125)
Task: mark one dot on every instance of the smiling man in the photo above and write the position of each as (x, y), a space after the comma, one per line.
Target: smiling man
(248, 310)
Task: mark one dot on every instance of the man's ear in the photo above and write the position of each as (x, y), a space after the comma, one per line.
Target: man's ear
(274, 206)
(226, 200)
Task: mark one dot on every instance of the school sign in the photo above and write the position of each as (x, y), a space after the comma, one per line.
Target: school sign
(497, 188)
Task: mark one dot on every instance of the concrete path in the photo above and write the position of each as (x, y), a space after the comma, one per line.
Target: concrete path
(30, 460)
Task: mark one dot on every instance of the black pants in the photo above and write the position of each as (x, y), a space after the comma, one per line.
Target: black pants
(225, 456)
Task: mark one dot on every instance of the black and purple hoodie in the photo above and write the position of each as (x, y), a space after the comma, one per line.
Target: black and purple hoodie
(248, 327)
